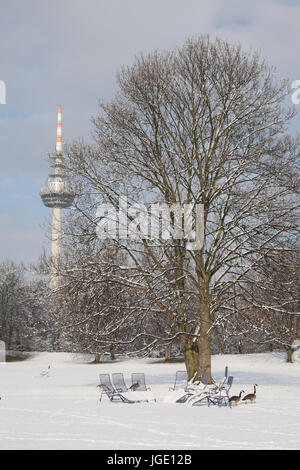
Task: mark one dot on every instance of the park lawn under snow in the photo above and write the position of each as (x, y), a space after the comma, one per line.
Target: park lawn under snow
(63, 411)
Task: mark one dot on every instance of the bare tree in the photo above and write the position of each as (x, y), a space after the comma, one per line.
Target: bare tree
(10, 299)
(268, 314)
(92, 310)
(22, 309)
(204, 124)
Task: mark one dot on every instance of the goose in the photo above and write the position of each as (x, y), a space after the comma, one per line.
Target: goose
(103, 387)
(251, 396)
(236, 398)
(134, 386)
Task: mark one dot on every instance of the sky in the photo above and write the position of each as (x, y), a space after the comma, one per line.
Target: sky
(68, 52)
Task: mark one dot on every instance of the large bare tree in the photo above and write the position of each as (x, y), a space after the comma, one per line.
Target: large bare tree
(205, 124)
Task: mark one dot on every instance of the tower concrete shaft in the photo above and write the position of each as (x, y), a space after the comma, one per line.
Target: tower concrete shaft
(55, 247)
(57, 194)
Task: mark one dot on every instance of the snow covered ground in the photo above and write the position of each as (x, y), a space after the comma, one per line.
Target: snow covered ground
(63, 411)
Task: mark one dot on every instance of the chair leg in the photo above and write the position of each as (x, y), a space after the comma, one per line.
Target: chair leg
(184, 398)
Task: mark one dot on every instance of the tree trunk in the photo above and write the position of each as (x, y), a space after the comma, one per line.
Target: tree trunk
(204, 363)
(168, 352)
(197, 354)
(97, 359)
(191, 359)
(190, 353)
(112, 354)
(290, 352)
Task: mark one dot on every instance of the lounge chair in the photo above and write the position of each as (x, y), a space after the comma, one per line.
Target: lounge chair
(138, 383)
(216, 386)
(115, 395)
(224, 392)
(119, 382)
(218, 395)
(181, 379)
(191, 391)
(108, 389)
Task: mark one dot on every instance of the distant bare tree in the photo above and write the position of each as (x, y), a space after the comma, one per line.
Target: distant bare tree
(204, 124)
(268, 313)
(22, 309)
(10, 299)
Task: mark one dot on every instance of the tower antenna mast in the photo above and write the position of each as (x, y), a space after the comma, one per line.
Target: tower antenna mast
(58, 195)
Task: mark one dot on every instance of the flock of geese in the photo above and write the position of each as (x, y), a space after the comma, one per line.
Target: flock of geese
(249, 397)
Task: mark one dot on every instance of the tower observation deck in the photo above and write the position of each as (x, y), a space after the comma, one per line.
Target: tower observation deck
(57, 194)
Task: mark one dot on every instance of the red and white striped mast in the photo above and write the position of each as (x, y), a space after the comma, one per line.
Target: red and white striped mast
(58, 133)
(58, 195)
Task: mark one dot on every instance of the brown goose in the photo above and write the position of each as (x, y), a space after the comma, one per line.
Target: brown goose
(134, 386)
(236, 398)
(103, 387)
(251, 396)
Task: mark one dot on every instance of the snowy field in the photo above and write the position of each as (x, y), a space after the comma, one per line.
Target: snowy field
(63, 411)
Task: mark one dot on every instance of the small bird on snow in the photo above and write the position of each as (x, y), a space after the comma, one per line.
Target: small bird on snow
(45, 373)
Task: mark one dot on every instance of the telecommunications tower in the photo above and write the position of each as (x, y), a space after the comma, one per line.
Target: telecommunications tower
(58, 195)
